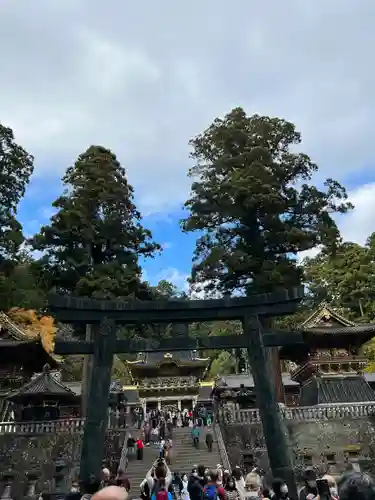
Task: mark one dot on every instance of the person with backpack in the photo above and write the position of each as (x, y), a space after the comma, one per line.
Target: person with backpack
(163, 492)
(209, 440)
(195, 433)
(159, 471)
(212, 491)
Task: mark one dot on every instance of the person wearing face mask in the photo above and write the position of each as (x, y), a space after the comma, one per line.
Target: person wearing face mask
(280, 490)
(309, 491)
(231, 492)
(252, 487)
(74, 493)
(184, 491)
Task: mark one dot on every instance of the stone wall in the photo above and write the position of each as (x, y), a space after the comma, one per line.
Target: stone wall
(39, 454)
(330, 446)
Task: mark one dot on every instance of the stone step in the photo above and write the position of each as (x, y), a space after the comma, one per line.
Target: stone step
(183, 457)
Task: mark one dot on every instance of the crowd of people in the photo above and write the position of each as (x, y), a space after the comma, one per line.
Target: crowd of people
(200, 483)
(157, 429)
(172, 418)
(161, 483)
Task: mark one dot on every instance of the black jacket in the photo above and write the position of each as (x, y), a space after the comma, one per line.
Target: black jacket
(195, 488)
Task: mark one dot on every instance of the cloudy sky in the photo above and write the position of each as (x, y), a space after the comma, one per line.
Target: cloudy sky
(143, 77)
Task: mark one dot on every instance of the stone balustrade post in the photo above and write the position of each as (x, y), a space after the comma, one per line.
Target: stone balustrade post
(59, 476)
(32, 478)
(7, 478)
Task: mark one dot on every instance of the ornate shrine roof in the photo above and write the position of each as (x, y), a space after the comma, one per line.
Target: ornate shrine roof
(15, 345)
(325, 316)
(235, 381)
(327, 320)
(45, 384)
(180, 358)
(335, 389)
(326, 328)
(178, 370)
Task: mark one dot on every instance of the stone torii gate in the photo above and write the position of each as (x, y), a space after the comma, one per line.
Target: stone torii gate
(107, 314)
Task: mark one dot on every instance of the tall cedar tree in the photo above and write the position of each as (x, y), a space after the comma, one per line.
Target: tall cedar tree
(94, 241)
(251, 200)
(16, 167)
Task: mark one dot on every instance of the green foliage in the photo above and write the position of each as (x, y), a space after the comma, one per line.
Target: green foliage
(369, 352)
(166, 290)
(73, 365)
(16, 167)
(22, 288)
(252, 201)
(345, 280)
(223, 364)
(93, 242)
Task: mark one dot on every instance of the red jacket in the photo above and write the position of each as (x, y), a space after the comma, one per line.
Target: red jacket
(140, 444)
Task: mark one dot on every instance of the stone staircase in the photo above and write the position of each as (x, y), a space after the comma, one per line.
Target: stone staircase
(183, 457)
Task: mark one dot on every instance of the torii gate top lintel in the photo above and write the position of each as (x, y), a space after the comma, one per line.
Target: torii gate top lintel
(84, 310)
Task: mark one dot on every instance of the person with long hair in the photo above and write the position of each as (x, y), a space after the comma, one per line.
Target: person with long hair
(231, 492)
(184, 491)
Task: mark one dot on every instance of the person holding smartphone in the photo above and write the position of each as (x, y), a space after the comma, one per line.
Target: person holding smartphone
(332, 486)
(309, 491)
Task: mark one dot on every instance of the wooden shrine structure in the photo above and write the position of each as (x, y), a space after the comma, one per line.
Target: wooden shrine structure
(107, 314)
(330, 366)
(172, 380)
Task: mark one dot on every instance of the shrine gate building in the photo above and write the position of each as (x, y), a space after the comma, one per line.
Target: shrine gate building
(169, 381)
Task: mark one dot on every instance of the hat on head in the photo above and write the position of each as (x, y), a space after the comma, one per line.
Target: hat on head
(309, 475)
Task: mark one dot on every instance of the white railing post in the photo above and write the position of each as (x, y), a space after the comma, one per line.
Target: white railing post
(310, 413)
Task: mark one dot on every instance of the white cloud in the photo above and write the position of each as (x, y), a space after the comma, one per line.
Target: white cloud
(356, 226)
(174, 276)
(142, 78)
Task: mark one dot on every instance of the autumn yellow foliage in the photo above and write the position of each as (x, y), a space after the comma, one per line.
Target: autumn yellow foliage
(35, 325)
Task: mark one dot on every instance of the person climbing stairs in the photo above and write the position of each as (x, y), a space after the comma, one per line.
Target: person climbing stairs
(184, 456)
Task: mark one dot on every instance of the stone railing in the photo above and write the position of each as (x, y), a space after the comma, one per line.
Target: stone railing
(221, 447)
(63, 425)
(301, 413)
(69, 426)
(12, 383)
